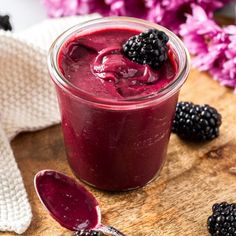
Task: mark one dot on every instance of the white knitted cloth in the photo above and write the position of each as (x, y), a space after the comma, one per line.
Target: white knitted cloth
(27, 102)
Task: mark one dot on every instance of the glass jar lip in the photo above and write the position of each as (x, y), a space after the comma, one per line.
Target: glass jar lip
(158, 96)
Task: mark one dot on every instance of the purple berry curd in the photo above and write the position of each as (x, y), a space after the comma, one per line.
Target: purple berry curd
(116, 114)
(67, 201)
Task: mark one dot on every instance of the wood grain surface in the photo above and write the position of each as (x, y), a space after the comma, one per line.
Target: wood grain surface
(177, 203)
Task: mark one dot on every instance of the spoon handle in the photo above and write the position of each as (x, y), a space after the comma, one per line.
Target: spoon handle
(106, 229)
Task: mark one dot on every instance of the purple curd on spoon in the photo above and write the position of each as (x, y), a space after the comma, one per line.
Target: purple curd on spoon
(70, 203)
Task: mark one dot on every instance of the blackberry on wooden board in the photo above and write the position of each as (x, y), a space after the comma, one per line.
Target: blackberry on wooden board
(195, 122)
(222, 222)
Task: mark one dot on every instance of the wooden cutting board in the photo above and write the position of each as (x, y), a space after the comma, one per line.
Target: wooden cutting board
(177, 203)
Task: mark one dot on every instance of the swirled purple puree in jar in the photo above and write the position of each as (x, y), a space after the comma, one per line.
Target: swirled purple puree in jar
(95, 63)
(113, 148)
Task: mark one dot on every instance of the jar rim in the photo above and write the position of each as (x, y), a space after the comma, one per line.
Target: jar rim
(141, 101)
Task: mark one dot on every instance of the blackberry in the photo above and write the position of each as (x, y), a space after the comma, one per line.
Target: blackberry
(5, 23)
(195, 122)
(88, 233)
(149, 48)
(223, 220)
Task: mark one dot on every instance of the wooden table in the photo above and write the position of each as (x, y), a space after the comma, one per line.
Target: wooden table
(178, 203)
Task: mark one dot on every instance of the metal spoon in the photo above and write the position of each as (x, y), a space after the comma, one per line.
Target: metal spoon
(69, 203)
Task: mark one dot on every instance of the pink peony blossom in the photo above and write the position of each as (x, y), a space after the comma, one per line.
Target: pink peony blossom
(169, 13)
(57, 8)
(172, 13)
(214, 48)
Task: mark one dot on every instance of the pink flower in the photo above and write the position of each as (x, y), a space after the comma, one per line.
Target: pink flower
(214, 48)
(172, 13)
(113, 7)
(197, 31)
(169, 13)
(57, 8)
(90, 6)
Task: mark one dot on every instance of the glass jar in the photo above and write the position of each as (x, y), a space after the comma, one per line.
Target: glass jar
(116, 145)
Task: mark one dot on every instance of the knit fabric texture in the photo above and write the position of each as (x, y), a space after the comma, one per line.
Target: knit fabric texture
(27, 103)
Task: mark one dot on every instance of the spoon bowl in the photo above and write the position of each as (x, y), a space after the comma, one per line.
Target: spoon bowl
(69, 203)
